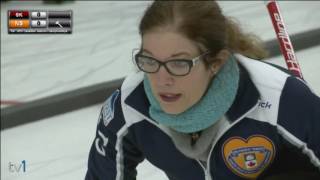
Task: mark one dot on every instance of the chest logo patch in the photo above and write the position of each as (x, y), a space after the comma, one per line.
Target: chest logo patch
(248, 157)
(108, 108)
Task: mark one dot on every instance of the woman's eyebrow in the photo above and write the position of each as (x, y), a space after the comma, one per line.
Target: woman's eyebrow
(173, 55)
(181, 54)
(146, 51)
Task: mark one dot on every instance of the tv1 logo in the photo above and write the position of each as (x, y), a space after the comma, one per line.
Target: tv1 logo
(17, 167)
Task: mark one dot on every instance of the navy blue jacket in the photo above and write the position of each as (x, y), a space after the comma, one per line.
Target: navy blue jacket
(274, 128)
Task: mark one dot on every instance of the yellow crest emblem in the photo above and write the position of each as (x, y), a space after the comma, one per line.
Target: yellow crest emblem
(248, 157)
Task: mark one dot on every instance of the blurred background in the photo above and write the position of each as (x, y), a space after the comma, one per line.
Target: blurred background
(52, 85)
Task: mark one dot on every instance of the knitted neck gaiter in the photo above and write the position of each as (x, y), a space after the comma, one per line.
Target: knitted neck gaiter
(208, 110)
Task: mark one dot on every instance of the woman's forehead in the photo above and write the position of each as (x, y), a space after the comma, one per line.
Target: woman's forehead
(168, 43)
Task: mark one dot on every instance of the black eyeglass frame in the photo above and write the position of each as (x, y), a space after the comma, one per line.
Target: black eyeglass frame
(191, 63)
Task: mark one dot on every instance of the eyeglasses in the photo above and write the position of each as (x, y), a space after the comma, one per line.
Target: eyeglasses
(176, 67)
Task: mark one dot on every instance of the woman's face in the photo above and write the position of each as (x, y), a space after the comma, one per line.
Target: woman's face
(175, 93)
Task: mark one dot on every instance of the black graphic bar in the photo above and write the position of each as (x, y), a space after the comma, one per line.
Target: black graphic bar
(59, 14)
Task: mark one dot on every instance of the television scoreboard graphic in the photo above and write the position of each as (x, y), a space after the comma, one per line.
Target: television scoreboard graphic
(39, 21)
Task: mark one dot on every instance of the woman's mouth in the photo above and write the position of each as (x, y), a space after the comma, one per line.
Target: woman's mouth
(169, 97)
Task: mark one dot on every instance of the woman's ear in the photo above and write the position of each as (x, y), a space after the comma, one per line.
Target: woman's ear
(221, 58)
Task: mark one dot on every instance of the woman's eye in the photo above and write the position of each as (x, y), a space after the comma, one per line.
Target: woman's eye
(150, 62)
(179, 64)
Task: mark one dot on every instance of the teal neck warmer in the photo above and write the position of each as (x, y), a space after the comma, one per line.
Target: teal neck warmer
(208, 110)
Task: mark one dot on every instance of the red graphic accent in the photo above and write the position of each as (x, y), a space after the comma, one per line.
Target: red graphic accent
(19, 14)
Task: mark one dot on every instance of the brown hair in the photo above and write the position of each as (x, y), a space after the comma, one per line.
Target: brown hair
(204, 23)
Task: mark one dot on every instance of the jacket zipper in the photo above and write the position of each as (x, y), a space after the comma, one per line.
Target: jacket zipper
(206, 172)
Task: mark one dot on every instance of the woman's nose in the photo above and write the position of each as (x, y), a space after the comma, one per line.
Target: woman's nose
(164, 78)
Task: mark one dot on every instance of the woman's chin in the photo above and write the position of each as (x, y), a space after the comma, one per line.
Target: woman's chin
(172, 110)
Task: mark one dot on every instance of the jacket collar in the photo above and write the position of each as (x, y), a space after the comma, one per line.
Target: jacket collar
(138, 100)
(247, 97)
